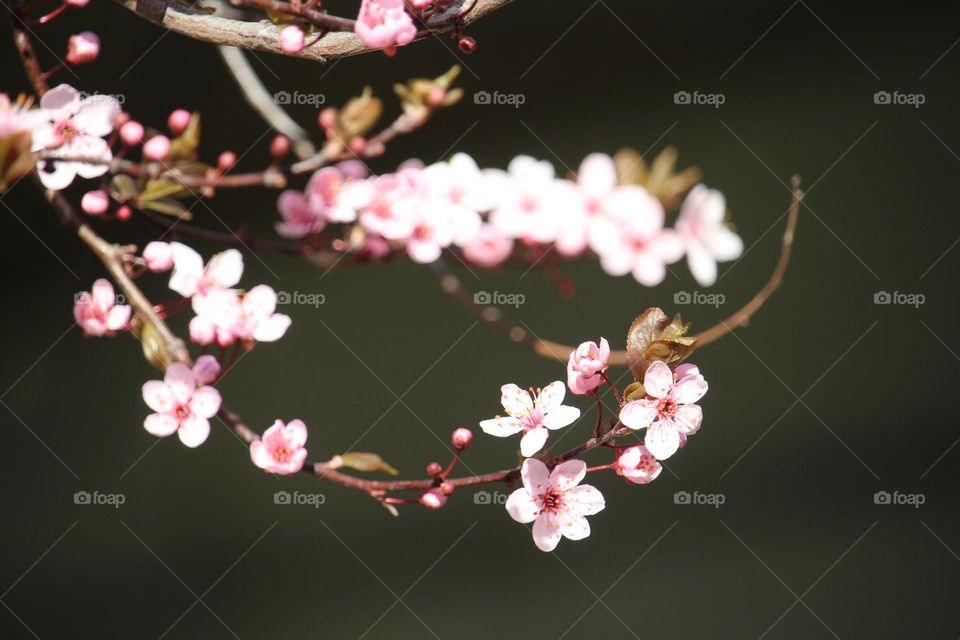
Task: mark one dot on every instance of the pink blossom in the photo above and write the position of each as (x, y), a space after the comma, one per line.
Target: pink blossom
(634, 241)
(668, 413)
(299, 218)
(706, 238)
(555, 502)
(460, 185)
(73, 128)
(383, 205)
(15, 117)
(157, 148)
(384, 23)
(532, 412)
(158, 256)
(637, 465)
(180, 406)
(83, 47)
(206, 369)
(489, 248)
(431, 229)
(191, 278)
(78, 4)
(97, 311)
(178, 121)
(232, 316)
(291, 39)
(433, 499)
(527, 199)
(585, 365)
(95, 203)
(326, 195)
(461, 438)
(280, 450)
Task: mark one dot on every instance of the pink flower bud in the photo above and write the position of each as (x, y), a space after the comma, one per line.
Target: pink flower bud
(279, 147)
(461, 438)
(468, 45)
(226, 160)
(78, 4)
(434, 469)
(131, 133)
(327, 118)
(433, 499)
(158, 256)
(206, 369)
(435, 97)
(291, 39)
(95, 203)
(446, 488)
(124, 213)
(358, 145)
(83, 47)
(157, 148)
(178, 121)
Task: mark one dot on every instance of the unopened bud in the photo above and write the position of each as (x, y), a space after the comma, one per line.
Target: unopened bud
(434, 469)
(433, 499)
(461, 438)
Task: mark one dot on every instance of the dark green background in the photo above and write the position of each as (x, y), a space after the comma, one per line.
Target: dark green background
(799, 519)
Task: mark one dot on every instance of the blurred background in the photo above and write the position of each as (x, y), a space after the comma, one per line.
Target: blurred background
(823, 401)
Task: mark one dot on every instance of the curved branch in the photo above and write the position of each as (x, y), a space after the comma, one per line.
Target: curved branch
(265, 36)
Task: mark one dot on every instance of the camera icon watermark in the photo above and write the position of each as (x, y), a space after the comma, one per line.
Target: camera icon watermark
(499, 299)
(914, 500)
(914, 100)
(910, 299)
(297, 98)
(489, 497)
(514, 100)
(85, 297)
(697, 98)
(103, 97)
(296, 498)
(96, 498)
(715, 500)
(699, 297)
(301, 298)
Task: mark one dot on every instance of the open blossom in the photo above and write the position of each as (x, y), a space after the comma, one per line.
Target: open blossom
(555, 502)
(460, 187)
(326, 194)
(585, 365)
(384, 23)
(635, 242)
(97, 311)
(191, 278)
(533, 413)
(489, 248)
(281, 449)
(431, 229)
(225, 315)
(706, 238)
(74, 129)
(181, 406)
(527, 199)
(668, 413)
(637, 465)
(299, 218)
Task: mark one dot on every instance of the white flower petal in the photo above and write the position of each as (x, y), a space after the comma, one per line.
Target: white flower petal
(568, 474)
(533, 440)
(535, 476)
(501, 427)
(662, 440)
(561, 416)
(546, 532)
(516, 401)
(522, 507)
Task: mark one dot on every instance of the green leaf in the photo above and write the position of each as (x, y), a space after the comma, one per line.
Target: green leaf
(168, 207)
(160, 188)
(185, 146)
(634, 391)
(123, 188)
(370, 462)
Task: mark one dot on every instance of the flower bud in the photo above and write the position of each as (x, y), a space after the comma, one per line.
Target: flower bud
(158, 256)
(434, 469)
(461, 438)
(124, 213)
(226, 160)
(131, 133)
(157, 148)
(78, 4)
(435, 97)
(446, 488)
(291, 39)
(178, 121)
(279, 147)
(83, 47)
(327, 118)
(468, 45)
(433, 499)
(95, 203)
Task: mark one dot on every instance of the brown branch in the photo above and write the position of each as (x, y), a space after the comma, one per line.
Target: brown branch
(28, 57)
(265, 36)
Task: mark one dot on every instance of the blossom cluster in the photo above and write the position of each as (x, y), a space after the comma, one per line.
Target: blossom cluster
(487, 213)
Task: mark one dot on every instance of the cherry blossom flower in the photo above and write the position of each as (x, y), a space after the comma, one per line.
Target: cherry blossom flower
(489, 248)
(190, 278)
(431, 229)
(226, 315)
(181, 406)
(326, 195)
(555, 502)
(636, 242)
(383, 201)
(158, 256)
(299, 218)
(669, 412)
(460, 186)
(526, 199)
(533, 413)
(637, 465)
(281, 450)
(97, 311)
(706, 238)
(384, 23)
(73, 128)
(586, 362)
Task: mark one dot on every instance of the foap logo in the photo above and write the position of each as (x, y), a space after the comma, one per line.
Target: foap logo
(85, 297)
(489, 497)
(301, 298)
(699, 297)
(496, 98)
(103, 97)
(299, 499)
(901, 99)
(312, 99)
(499, 299)
(96, 498)
(897, 498)
(697, 98)
(910, 299)
(714, 500)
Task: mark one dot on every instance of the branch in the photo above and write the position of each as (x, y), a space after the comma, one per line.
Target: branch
(265, 36)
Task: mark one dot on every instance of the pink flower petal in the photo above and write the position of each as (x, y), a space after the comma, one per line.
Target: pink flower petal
(535, 476)
(516, 401)
(194, 431)
(205, 402)
(658, 380)
(638, 414)
(584, 500)
(560, 417)
(160, 425)
(551, 396)
(568, 474)
(533, 441)
(690, 389)
(179, 380)
(501, 427)
(522, 507)
(573, 526)
(662, 440)
(157, 396)
(546, 532)
(688, 418)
